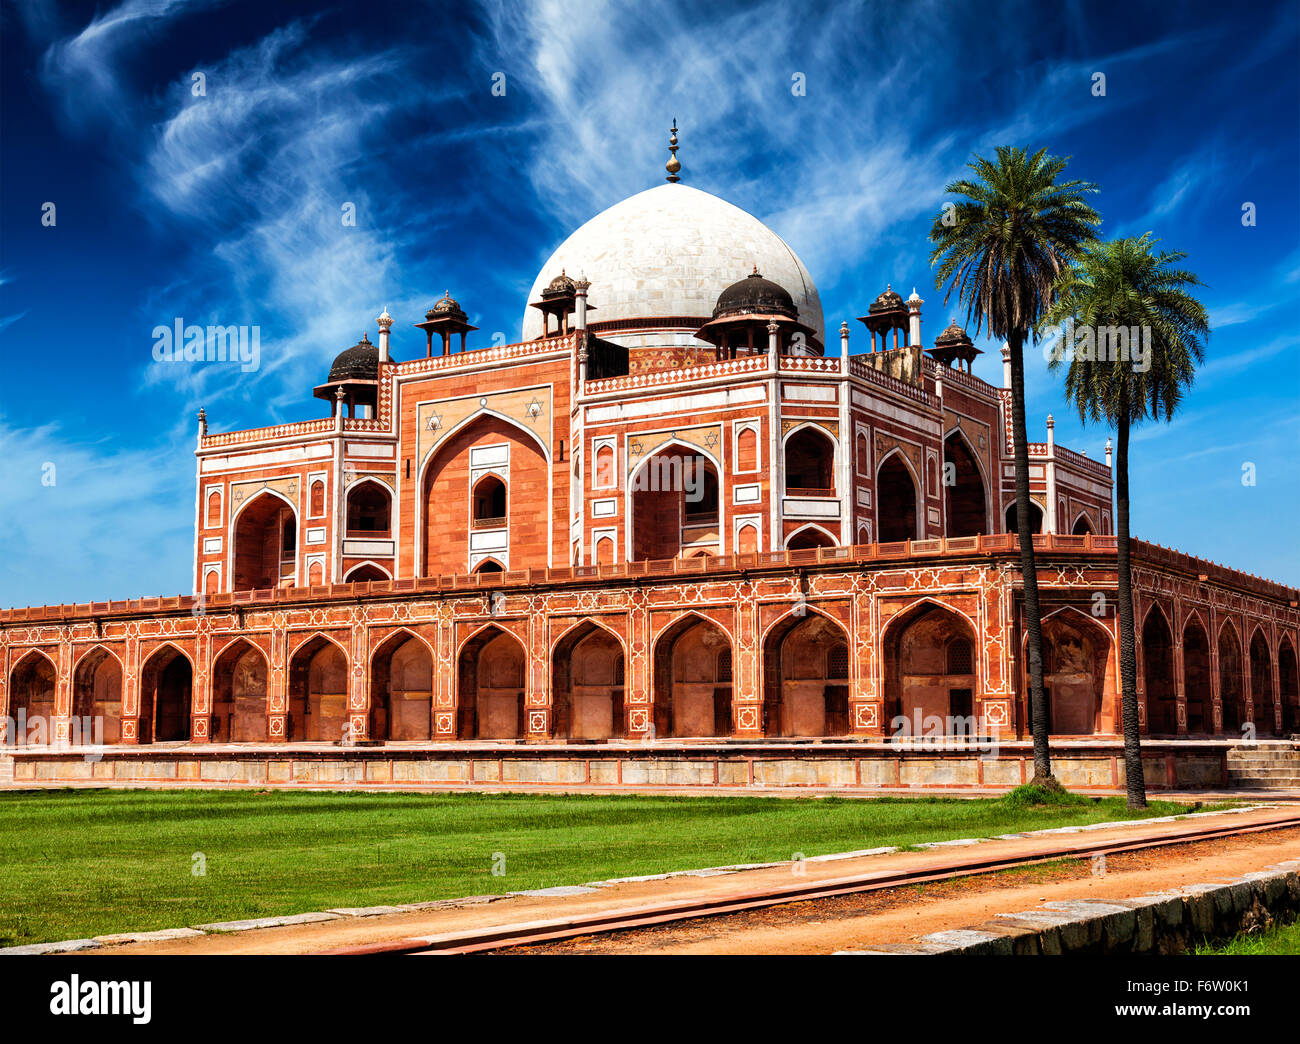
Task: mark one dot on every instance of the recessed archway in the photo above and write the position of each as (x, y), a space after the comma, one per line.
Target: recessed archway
(401, 689)
(809, 537)
(318, 692)
(1035, 517)
(809, 463)
(1158, 673)
(490, 686)
(588, 685)
(1079, 677)
(489, 503)
(931, 673)
(32, 685)
(1288, 686)
(369, 510)
(366, 572)
(896, 501)
(166, 694)
(265, 544)
(239, 710)
(1231, 685)
(673, 502)
(1082, 525)
(1261, 682)
(692, 680)
(965, 497)
(97, 697)
(1197, 678)
(806, 677)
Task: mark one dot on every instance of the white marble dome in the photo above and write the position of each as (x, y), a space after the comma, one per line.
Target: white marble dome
(671, 250)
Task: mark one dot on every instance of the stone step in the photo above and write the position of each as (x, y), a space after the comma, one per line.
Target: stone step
(1270, 783)
(1267, 760)
(1264, 773)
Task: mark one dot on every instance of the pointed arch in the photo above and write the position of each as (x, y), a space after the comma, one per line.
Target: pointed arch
(97, 696)
(262, 542)
(1288, 684)
(1080, 674)
(318, 687)
(1231, 678)
(491, 678)
(166, 695)
(810, 535)
(490, 564)
(239, 694)
(811, 457)
(368, 506)
(800, 698)
(33, 687)
(931, 671)
(401, 687)
(899, 499)
(1197, 680)
(1158, 672)
(588, 673)
(372, 569)
(1261, 680)
(1082, 525)
(444, 506)
(967, 502)
(692, 678)
(656, 506)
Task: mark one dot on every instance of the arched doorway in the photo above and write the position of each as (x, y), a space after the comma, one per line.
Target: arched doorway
(318, 692)
(490, 686)
(1288, 686)
(1231, 685)
(931, 673)
(1035, 517)
(239, 710)
(365, 573)
(166, 691)
(369, 511)
(809, 464)
(963, 488)
(32, 685)
(1082, 526)
(692, 680)
(674, 504)
(587, 685)
(809, 537)
(1197, 679)
(895, 502)
(1078, 676)
(489, 511)
(401, 689)
(266, 544)
(806, 677)
(1261, 682)
(97, 698)
(1158, 672)
(453, 482)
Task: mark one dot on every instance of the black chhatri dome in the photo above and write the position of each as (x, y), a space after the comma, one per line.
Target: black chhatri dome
(358, 363)
(953, 335)
(756, 296)
(889, 301)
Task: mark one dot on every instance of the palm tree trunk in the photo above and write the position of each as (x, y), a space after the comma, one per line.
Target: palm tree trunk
(1024, 527)
(1134, 780)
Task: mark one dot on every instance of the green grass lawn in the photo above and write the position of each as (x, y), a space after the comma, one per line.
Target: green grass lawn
(1279, 941)
(80, 863)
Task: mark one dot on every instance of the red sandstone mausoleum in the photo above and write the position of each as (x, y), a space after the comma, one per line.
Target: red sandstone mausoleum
(678, 508)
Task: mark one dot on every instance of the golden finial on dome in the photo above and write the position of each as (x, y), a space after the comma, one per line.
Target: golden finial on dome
(674, 164)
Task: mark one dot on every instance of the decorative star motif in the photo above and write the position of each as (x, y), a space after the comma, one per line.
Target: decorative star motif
(435, 421)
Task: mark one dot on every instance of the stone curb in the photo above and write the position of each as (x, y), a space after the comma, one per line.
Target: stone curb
(250, 924)
(1165, 922)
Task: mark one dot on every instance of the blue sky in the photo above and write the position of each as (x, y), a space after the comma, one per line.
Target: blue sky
(225, 208)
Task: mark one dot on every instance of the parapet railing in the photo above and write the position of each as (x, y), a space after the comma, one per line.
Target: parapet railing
(857, 554)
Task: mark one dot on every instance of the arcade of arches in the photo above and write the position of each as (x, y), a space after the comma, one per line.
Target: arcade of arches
(692, 680)
(806, 677)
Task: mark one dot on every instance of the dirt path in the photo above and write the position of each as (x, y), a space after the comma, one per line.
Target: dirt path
(346, 932)
(900, 915)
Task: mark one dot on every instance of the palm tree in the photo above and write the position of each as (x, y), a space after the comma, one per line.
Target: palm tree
(1125, 284)
(1001, 249)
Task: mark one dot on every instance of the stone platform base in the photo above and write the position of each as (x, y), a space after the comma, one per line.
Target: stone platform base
(1083, 765)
